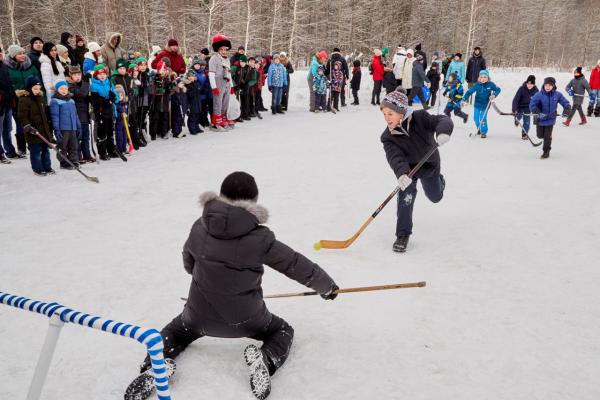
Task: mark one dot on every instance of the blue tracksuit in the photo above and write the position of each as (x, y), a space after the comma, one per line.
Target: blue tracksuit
(482, 91)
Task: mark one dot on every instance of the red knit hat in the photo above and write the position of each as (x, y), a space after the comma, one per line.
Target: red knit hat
(219, 41)
(172, 42)
(322, 55)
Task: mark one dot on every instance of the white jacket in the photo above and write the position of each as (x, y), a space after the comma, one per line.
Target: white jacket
(407, 72)
(48, 77)
(399, 65)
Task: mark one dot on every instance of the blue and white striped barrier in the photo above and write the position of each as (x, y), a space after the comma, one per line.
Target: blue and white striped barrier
(150, 338)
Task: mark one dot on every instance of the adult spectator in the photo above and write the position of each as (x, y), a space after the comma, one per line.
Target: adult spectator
(19, 69)
(91, 58)
(318, 59)
(7, 150)
(80, 48)
(407, 71)
(474, 66)
(68, 40)
(111, 51)
(172, 53)
(418, 50)
(337, 56)
(377, 72)
(398, 64)
(35, 52)
(52, 70)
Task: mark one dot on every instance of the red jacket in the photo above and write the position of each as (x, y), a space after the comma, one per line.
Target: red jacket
(595, 78)
(176, 59)
(377, 67)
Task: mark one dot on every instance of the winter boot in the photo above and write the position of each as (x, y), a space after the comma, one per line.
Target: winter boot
(51, 172)
(516, 121)
(523, 136)
(142, 387)
(545, 155)
(567, 122)
(597, 110)
(484, 135)
(280, 110)
(260, 379)
(465, 118)
(583, 120)
(590, 110)
(39, 173)
(273, 110)
(401, 244)
(3, 159)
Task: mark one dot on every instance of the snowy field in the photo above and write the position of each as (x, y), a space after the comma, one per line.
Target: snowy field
(511, 308)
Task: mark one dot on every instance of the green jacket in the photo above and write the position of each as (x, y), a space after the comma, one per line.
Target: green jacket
(18, 73)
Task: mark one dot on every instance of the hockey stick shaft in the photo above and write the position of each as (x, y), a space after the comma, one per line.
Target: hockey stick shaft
(334, 244)
(65, 158)
(346, 290)
(126, 123)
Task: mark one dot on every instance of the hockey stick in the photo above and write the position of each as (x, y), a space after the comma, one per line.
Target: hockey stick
(342, 244)
(346, 290)
(128, 133)
(58, 152)
(93, 140)
(482, 119)
(527, 134)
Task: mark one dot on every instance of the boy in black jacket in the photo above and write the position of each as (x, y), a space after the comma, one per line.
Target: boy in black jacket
(224, 254)
(80, 90)
(434, 77)
(355, 82)
(194, 102)
(408, 137)
(520, 104)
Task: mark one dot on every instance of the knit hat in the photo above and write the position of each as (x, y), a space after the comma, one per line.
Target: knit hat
(121, 62)
(31, 82)
(93, 47)
(336, 49)
(75, 69)
(531, 79)
(321, 68)
(418, 47)
(377, 52)
(205, 51)
(219, 41)
(191, 72)
(34, 39)
(241, 48)
(61, 49)
(156, 49)
(131, 68)
(79, 38)
(322, 55)
(356, 63)
(140, 60)
(58, 84)
(283, 54)
(396, 100)
(275, 55)
(239, 186)
(195, 60)
(172, 42)
(14, 50)
(385, 51)
(98, 69)
(47, 47)
(484, 72)
(550, 81)
(578, 70)
(459, 55)
(243, 58)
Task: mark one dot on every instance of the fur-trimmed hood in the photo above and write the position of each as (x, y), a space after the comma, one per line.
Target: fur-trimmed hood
(260, 212)
(112, 36)
(13, 64)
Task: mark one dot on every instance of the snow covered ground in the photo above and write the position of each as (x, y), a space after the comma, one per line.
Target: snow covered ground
(510, 257)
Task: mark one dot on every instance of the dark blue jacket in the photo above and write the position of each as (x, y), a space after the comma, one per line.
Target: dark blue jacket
(546, 104)
(455, 94)
(403, 151)
(523, 98)
(482, 93)
(63, 114)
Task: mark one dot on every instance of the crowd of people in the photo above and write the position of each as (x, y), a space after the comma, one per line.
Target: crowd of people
(94, 102)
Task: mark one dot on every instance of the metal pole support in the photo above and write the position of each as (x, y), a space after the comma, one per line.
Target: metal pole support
(43, 365)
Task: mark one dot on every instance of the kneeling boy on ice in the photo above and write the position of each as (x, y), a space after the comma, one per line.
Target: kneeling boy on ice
(485, 92)
(409, 136)
(225, 253)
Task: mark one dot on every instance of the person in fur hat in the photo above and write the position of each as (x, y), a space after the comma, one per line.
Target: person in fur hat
(52, 70)
(410, 135)
(219, 75)
(111, 50)
(577, 88)
(32, 116)
(225, 255)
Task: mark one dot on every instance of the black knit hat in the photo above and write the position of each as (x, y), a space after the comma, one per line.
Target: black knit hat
(531, 79)
(239, 186)
(550, 80)
(578, 70)
(205, 51)
(35, 38)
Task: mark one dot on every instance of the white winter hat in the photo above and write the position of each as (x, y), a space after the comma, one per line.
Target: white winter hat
(61, 49)
(283, 54)
(377, 52)
(410, 51)
(93, 46)
(598, 62)
(156, 49)
(14, 50)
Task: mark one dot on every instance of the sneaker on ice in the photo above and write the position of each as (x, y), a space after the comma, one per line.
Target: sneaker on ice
(401, 244)
(260, 379)
(142, 387)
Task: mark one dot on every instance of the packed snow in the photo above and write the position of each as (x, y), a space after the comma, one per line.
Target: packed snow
(510, 256)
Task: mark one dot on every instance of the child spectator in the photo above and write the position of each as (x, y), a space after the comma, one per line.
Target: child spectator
(80, 91)
(143, 100)
(355, 82)
(120, 130)
(276, 80)
(67, 128)
(194, 101)
(320, 85)
(199, 66)
(103, 98)
(162, 88)
(252, 81)
(389, 80)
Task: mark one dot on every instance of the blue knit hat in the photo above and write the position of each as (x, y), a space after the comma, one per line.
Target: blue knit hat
(59, 84)
(485, 72)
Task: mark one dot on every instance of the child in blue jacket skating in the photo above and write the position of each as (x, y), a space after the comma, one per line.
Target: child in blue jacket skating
(545, 103)
(485, 92)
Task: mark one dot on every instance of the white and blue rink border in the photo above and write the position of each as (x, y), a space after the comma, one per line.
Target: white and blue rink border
(59, 315)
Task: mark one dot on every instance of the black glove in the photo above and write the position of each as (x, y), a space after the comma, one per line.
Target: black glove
(331, 293)
(112, 96)
(566, 111)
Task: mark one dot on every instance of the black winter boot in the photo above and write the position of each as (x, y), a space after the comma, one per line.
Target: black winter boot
(401, 244)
